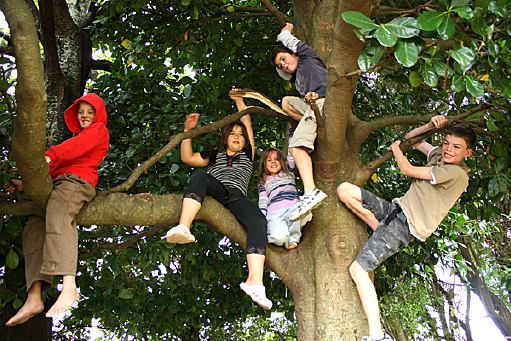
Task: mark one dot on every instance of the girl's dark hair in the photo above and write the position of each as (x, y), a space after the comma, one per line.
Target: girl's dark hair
(277, 50)
(262, 165)
(463, 132)
(227, 130)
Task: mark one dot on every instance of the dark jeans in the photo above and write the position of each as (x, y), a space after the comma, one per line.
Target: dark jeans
(245, 210)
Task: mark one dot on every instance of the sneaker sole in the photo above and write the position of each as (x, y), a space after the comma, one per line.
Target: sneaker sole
(303, 215)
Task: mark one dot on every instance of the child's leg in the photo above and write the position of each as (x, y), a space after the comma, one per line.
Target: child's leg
(291, 110)
(278, 232)
(304, 164)
(367, 293)
(351, 196)
(33, 306)
(201, 184)
(67, 296)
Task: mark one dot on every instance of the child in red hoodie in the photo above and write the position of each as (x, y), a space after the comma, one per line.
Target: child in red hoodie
(50, 245)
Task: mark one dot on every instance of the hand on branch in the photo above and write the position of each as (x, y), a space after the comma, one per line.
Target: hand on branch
(16, 185)
(191, 121)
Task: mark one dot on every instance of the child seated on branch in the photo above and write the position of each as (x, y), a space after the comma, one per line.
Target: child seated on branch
(50, 245)
(227, 179)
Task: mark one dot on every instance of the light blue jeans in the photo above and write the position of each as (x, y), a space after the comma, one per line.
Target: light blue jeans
(280, 229)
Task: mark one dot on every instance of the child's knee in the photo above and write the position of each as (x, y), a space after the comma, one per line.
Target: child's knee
(278, 237)
(356, 271)
(343, 191)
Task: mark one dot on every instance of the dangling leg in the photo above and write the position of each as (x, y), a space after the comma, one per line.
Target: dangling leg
(33, 306)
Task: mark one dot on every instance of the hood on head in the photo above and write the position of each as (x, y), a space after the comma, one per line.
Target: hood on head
(71, 113)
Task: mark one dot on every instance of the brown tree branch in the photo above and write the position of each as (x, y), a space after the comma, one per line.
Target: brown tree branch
(176, 139)
(276, 13)
(28, 144)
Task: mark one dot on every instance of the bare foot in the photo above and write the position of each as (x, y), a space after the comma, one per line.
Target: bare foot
(66, 299)
(31, 308)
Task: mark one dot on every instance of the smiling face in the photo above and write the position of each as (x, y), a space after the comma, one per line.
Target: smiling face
(454, 149)
(86, 113)
(273, 165)
(235, 140)
(286, 61)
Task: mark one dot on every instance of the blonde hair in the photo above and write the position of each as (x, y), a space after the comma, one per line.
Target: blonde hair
(263, 172)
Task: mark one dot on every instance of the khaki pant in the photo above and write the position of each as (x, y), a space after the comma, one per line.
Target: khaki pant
(50, 245)
(306, 131)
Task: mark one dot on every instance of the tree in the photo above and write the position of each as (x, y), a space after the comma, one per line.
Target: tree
(405, 63)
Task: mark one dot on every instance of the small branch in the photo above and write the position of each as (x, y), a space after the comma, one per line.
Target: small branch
(176, 139)
(276, 13)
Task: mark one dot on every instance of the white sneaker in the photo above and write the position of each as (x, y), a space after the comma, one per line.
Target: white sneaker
(372, 338)
(310, 201)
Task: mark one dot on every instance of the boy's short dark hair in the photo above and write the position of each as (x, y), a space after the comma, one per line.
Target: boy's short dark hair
(464, 132)
(276, 51)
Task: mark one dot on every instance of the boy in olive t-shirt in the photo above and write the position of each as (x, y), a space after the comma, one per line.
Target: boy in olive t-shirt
(436, 188)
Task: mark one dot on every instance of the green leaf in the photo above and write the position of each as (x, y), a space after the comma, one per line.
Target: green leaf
(405, 27)
(17, 303)
(430, 20)
(377, 55)
(459, 3)
(463, 56)
(12, 259)
(359, 20)
(185, 3)
(415, 79)
(474, 88)
(458, 83)
(127, 294)
(498, 184)
(406, 53)
(120, 7)
(385, 37)
(429, 75)
(497, 10)
(364, 61)
(195, 13)
(501, 163)
(4, 85)
(465, 12)
(478, 22)
(447, 28)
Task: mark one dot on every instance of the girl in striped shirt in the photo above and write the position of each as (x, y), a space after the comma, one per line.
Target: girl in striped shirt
(278, 197)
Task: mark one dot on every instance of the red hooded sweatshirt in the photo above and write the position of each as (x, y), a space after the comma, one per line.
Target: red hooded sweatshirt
(82, 154)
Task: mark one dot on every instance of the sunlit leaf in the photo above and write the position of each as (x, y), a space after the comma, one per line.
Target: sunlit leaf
(359, 20)
(386, 37)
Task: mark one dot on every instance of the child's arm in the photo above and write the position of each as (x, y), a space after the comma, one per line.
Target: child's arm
(246, 120)
(436, 122)
(187, 154)
(287, 38)
(406, 167)
(263, 199)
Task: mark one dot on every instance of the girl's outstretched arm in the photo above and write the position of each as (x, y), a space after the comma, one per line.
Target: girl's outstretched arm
(188, 156)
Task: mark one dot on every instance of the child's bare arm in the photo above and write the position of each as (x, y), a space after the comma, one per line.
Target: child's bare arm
(435, 122)
(246, 120)
(406, 167)
(187, 154)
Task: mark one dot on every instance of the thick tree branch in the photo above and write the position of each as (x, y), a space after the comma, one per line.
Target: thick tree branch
(29, 129)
